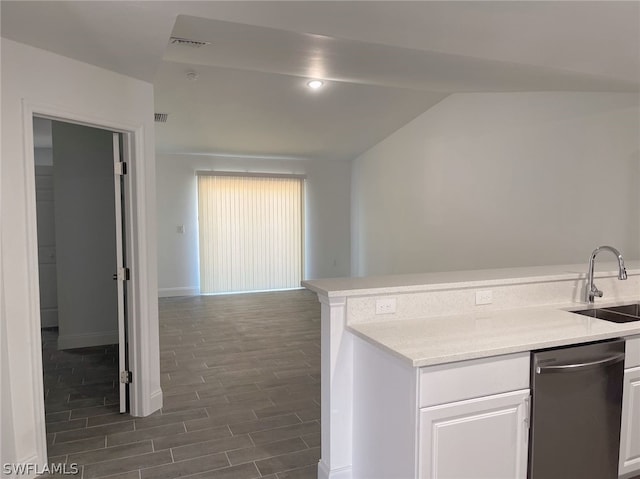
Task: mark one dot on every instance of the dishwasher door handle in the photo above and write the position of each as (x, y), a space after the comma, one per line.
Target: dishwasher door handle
(569, 368)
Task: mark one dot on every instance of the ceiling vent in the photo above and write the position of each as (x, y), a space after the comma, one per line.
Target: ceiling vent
(161, 117)
(187, 42)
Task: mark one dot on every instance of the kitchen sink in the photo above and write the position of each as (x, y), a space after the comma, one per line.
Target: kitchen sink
(616, 314)
(630, 309)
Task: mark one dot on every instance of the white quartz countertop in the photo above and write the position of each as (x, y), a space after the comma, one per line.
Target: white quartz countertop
(407, 283)
(457, 337)
(438, 340)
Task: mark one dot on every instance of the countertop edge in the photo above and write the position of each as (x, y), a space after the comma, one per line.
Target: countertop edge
(347, 287)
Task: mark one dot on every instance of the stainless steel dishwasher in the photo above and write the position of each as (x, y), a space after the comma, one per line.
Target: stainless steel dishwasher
(576, 410)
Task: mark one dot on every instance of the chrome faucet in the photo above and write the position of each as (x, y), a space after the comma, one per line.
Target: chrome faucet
(592, 291)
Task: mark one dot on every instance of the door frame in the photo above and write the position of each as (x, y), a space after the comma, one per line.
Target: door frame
(142, 400)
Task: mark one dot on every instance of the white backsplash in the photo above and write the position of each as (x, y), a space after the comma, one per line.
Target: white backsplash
(455, 301)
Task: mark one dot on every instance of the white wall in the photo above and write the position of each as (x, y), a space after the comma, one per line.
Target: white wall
(85, 240)
(42, 81)
(490, 180)
(43, 156)
(7, 438)
(47, 271)
(327, 219)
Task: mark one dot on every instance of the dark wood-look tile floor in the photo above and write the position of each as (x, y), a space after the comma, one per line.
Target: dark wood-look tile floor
(241, 384)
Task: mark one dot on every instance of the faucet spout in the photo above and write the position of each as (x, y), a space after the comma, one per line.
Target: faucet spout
(592, 291)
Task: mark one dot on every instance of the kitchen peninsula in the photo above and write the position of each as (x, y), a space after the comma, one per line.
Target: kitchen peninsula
(400, 352)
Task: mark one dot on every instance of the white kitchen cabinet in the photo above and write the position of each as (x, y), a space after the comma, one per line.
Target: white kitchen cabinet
(484, 437)
(630, 430)
(460, 420)
(630, 427)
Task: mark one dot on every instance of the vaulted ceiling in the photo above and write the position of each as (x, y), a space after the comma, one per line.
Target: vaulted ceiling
(383, 62)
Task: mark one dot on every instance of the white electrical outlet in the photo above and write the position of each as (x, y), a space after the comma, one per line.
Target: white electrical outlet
(385, 306)
(484, 297)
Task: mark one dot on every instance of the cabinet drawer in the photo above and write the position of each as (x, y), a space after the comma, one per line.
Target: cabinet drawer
(632, 352)
(471, 379)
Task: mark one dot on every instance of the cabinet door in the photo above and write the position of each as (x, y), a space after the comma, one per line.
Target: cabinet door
(630, 427)
(483, 438)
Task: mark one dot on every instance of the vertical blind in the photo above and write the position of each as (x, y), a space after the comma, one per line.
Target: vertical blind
(251, 232)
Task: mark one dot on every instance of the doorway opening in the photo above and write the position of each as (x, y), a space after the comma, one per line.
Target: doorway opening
(82, 249)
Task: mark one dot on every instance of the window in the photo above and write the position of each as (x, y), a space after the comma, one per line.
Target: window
(250, 231)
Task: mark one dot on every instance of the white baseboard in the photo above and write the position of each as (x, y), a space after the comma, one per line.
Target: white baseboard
(185, 291)
(144, 405)
(155, 402)
(34, 460)
(71, 341)
(325, 473)
(48, 318)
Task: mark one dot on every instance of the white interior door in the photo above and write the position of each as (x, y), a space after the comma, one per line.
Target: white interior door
(121, 273)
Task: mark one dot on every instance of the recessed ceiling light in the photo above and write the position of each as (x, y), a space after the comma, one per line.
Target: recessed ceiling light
(315, 84)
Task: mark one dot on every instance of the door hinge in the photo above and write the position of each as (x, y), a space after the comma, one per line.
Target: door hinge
(126, 377)
(123, 274)
(120, 168)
